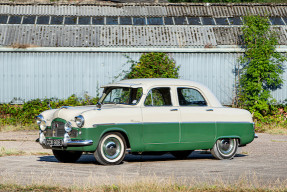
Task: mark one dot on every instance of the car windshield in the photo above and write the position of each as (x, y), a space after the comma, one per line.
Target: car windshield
(122, 95)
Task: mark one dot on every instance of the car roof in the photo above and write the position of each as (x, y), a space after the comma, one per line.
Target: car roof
(155, 82)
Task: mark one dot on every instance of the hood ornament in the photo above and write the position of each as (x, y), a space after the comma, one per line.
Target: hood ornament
(99, 105)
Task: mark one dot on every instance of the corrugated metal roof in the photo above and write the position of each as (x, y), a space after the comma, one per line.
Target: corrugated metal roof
(216, 10)
(123, 36)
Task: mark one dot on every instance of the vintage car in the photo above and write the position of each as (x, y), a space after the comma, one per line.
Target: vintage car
(146, 115)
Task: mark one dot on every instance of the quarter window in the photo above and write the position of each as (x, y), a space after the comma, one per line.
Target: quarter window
(158, 97)
(190, 97)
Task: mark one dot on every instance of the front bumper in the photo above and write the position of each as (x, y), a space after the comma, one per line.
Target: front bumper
(74, 143)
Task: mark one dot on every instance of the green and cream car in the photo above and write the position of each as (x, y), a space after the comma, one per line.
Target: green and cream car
(146, 115)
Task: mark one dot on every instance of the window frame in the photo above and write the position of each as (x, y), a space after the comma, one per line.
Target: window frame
(170, 93)
(194, 88)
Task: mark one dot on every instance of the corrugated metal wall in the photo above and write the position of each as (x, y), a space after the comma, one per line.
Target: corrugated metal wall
(30, 75)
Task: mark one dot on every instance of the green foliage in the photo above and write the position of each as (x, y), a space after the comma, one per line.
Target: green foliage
(25, 114)
(262, 67)
(153, 65)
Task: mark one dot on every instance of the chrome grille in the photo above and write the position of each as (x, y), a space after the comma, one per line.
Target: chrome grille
(58, 129)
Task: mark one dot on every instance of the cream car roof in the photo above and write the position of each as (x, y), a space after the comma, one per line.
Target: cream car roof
(152, 82)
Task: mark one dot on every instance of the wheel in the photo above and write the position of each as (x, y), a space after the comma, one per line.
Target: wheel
(111, 149)
(67, 156)
(181, 154)
(225, 148)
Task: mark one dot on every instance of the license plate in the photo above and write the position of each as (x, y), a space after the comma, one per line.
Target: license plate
(54, 142)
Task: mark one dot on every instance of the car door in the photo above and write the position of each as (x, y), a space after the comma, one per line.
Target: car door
(160, 118)
(197, 118)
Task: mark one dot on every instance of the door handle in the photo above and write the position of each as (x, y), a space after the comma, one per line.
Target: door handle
(174, 110)
(209, 109)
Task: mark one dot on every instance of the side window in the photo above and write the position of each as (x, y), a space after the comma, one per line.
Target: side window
(158, 97)
(190, 97)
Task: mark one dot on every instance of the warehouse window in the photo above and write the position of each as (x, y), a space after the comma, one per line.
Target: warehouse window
(70, 20)
(3, 19)
(15, 19)
(207, 21)
(194, 20)
(154, 21)
(84, 20)
(43, 19)
(98, 20)
(125, 20)
(168, 21)
(235, 21)
(221, 21)
(180, 21)
(111, 20)
(139, 20)
(29, 19)
(57, 20)
(276, 21)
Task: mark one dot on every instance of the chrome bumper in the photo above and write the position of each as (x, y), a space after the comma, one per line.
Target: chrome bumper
(255, 135)
(78, 143)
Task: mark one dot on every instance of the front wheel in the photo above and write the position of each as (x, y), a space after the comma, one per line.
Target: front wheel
(225, 148)
(67, 156)
(111, 149)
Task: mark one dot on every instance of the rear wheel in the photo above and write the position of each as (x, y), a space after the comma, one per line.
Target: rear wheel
(67, 156)
(225, 148)
(181, 154)
(111, 149)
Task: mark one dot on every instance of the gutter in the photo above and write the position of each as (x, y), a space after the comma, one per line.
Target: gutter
(222, 49)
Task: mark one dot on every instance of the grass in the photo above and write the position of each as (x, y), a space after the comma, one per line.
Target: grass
(272, 128)
(10, 152)
(7, 128)
(141, 186)
(14, 152)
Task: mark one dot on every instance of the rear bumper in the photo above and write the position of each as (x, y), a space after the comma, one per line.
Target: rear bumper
(255, 135)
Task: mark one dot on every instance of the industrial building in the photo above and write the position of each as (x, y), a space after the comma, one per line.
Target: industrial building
(56, 50)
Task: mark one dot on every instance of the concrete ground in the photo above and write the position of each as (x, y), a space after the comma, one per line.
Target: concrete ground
(263, 162)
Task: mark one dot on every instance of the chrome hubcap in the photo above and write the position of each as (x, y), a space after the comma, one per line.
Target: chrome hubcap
(226, 146)
(111, 148)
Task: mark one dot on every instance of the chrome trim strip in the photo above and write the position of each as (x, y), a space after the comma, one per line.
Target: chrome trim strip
(79, 143)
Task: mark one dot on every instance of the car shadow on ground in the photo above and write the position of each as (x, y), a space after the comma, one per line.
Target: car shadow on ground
(89, 158)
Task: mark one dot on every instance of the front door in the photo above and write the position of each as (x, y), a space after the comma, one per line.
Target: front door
(160, 118)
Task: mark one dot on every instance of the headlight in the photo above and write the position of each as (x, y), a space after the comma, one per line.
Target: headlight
(68, 127)
(43, 125)
(39, 118)
(80, 121)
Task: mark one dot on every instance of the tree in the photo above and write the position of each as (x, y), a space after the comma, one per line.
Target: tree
(153, 65)
(261, 66)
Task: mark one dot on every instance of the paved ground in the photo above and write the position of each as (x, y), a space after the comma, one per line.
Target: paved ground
(263, 162)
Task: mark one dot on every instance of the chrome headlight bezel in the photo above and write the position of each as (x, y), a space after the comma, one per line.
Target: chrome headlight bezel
(80, 121)
(43, 125)
(39, 119)
(68, 126)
